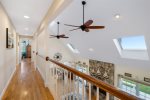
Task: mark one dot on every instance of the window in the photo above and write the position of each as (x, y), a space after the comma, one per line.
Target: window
(133, 43)
(144, 91)
(128, 86)
(72, 48)
(133, 47)
(135, 88)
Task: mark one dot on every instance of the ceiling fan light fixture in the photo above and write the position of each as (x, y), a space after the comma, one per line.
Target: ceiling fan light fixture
(117, 16)
(26, 17)
(91, 49)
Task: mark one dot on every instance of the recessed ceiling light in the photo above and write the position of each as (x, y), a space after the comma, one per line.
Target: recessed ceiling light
(27, 17)
(91, 49)
(26, 29)
(117, 16)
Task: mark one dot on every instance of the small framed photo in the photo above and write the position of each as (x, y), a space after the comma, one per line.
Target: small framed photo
(147, 79)
(9, 39)
(128, 74)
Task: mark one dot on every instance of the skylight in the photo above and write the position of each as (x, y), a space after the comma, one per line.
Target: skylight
(132, 43)
(72, 48)
(133, 47)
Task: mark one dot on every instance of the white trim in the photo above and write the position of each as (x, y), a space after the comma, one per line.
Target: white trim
(41, 74)
(43, 77)
(7, 84)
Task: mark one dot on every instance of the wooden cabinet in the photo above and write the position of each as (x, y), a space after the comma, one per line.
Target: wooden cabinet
(28, 51)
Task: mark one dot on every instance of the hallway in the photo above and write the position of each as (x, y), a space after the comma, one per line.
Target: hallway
(27, 84)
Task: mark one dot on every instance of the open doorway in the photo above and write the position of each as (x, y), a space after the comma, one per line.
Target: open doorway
(25, 49)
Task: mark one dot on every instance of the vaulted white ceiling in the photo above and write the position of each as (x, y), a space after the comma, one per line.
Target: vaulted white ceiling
(134, 20)
(35, 9)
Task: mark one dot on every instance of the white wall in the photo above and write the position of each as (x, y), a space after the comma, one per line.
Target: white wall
(46, 46)
(42, 50)
(33, 49)
(55, 45)
(49, 46)
(7, 56)
(137, 72)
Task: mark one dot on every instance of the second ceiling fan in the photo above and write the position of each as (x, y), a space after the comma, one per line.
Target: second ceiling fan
(86, 26)
(58, 36)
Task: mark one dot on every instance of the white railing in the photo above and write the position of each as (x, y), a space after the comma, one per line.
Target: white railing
(64, 84)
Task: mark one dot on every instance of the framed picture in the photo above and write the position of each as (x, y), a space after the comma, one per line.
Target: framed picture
(147, 79)
(128, 74)
(9, 39)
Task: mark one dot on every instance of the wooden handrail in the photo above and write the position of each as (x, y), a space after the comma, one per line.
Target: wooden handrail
(102, 85)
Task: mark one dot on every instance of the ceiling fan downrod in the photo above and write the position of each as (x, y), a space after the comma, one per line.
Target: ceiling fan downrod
(83, 3)
(58, 28)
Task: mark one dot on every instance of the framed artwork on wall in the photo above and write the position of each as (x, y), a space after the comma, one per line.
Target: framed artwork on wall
(9, 39)
(102, 70)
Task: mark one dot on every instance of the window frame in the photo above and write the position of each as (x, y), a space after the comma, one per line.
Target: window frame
(137, 83)
(131, 54)
(133, 37)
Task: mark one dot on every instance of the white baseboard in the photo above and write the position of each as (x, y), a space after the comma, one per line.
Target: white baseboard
(7, 84)
(41, 74)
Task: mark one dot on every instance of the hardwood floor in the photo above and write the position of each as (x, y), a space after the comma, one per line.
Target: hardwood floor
(27, 84)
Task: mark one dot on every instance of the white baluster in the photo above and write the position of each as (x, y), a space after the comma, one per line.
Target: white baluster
(67, 86)
(70, 86)
(63, 80)
(78, 89)
(97, 97)
(107, 96)
(89, 91)
(82, 89)
(73, 91)
(55, 75)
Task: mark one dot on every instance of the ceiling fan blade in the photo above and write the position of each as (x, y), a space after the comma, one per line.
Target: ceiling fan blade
(71, 25)
(75, 29)
(86, 30)
(53, 35)
(96, 27)
(65, 37)
(88, 23)
(62, 35)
